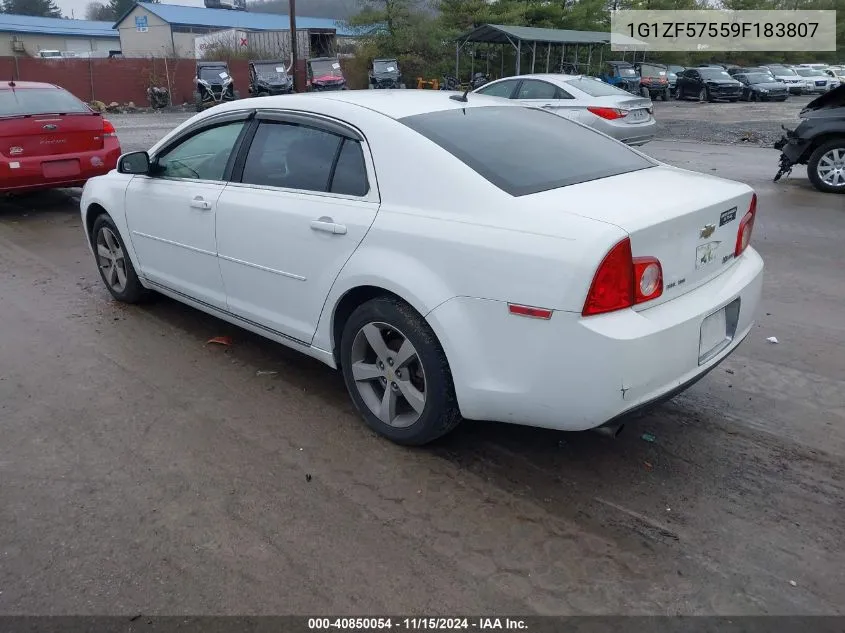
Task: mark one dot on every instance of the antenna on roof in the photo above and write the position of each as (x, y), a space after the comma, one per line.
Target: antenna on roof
(462, 98)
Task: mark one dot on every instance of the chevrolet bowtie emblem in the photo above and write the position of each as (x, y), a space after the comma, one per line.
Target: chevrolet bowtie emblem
(707, 230)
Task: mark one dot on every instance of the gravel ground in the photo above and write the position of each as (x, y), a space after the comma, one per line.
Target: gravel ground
(754, 124)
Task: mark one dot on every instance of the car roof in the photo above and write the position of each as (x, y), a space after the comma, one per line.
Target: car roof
(395, 104)
(25, 85)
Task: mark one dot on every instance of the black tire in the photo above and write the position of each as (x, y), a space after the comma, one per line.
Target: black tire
(133, 292)
(679, 95)
(664, 96)
(813, 165)
(645, 93)
(440, 413)
(704, 95)
(734, 100)
(198, 102)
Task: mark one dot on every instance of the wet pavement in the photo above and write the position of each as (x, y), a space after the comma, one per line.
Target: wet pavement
(144, 471)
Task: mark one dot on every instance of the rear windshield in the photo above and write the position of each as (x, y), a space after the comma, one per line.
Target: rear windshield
(39, 101)
(596, 88)
(526, 150)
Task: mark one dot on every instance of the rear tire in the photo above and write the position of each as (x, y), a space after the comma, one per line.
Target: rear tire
(113, 262)
(644, 93)
(387, 350)
(822, 156)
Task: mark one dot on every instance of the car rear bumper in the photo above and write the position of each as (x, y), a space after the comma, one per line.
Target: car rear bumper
(574, 373)
(30, 174)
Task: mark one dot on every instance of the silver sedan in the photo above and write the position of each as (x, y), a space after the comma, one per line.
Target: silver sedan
(625, 117)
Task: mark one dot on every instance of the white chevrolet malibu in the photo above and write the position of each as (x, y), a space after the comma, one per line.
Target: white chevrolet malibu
(454, 259)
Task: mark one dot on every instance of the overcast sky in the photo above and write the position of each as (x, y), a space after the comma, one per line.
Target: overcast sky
(78, 6)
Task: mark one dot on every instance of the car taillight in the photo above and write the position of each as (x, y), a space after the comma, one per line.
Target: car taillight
(607, 113)
(622, 281)
(746, 225)
(108, 129)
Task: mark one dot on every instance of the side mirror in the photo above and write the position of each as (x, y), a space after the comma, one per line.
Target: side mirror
(134, 163)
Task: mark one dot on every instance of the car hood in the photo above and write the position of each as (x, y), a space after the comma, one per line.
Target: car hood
(722, 82)
(770, 85)
(833, 99)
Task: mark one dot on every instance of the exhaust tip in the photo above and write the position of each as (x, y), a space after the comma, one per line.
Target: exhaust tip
(610, 430)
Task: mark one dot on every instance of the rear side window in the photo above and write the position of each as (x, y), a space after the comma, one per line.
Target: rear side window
(596, 88)
(350, 172)
(526, 150)
(533, 89)
(39, 101)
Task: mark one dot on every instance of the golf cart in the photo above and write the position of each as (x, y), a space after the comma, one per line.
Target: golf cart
(384, 73)
(214, 85)
(269, 77)
(622, 75)
(654, 80)
(324, 73)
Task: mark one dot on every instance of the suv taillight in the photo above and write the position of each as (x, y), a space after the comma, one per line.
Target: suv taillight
(746, 226)
(108, 129)
(622, 281)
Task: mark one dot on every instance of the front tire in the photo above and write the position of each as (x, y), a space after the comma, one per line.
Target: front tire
(704, 95)
(397, 373)
(826, 167)
(116, 269)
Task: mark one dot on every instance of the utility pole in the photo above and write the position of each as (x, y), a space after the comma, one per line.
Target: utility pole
(294, 44)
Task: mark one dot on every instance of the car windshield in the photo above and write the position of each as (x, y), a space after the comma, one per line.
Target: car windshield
(214, 74)
(759, 78)
(272, 71)
(714, 73)
(646, 70)
(782, 71)
(526, 150)
(626, 72)
(594, 88)
(326, 68)
(809, 72)
(380, 66)
(40, 101)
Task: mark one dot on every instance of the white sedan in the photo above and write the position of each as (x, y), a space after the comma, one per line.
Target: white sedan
(454, 259)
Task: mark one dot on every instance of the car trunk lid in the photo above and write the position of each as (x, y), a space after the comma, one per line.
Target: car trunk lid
(686, 220)
(49, 135)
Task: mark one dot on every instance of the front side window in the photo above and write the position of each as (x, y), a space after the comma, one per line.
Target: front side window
(500, 89)
(202, 156)
(294, 156)
(533, 89)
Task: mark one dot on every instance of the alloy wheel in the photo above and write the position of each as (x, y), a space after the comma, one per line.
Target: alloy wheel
(831, 167)
(111, 259)
(388, 374)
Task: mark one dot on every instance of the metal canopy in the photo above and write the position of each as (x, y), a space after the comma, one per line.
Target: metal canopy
(501, 34)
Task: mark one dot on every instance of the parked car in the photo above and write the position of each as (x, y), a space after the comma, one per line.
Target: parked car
(761, 87)
(817, 81)
(672, 75)
(797, 84)
(527, 285)
(214, 85)
(384, 74)
(836, 72)
(750, 69)
(818, 142)
(325, 73)
(269, 77)
(707, 84)
(654, 83)
(611, 110)
(49, 139)
(622, 75)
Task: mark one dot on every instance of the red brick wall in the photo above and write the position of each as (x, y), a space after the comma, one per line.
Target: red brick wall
(120, 80)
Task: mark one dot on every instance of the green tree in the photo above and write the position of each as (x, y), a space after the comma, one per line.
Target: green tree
(40, 8)
(99, 11)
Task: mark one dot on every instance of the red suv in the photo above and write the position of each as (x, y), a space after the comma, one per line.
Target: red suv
(49, 138)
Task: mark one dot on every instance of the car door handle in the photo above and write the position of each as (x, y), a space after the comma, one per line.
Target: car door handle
(327, 225)
(199, 203)
(548, 106)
